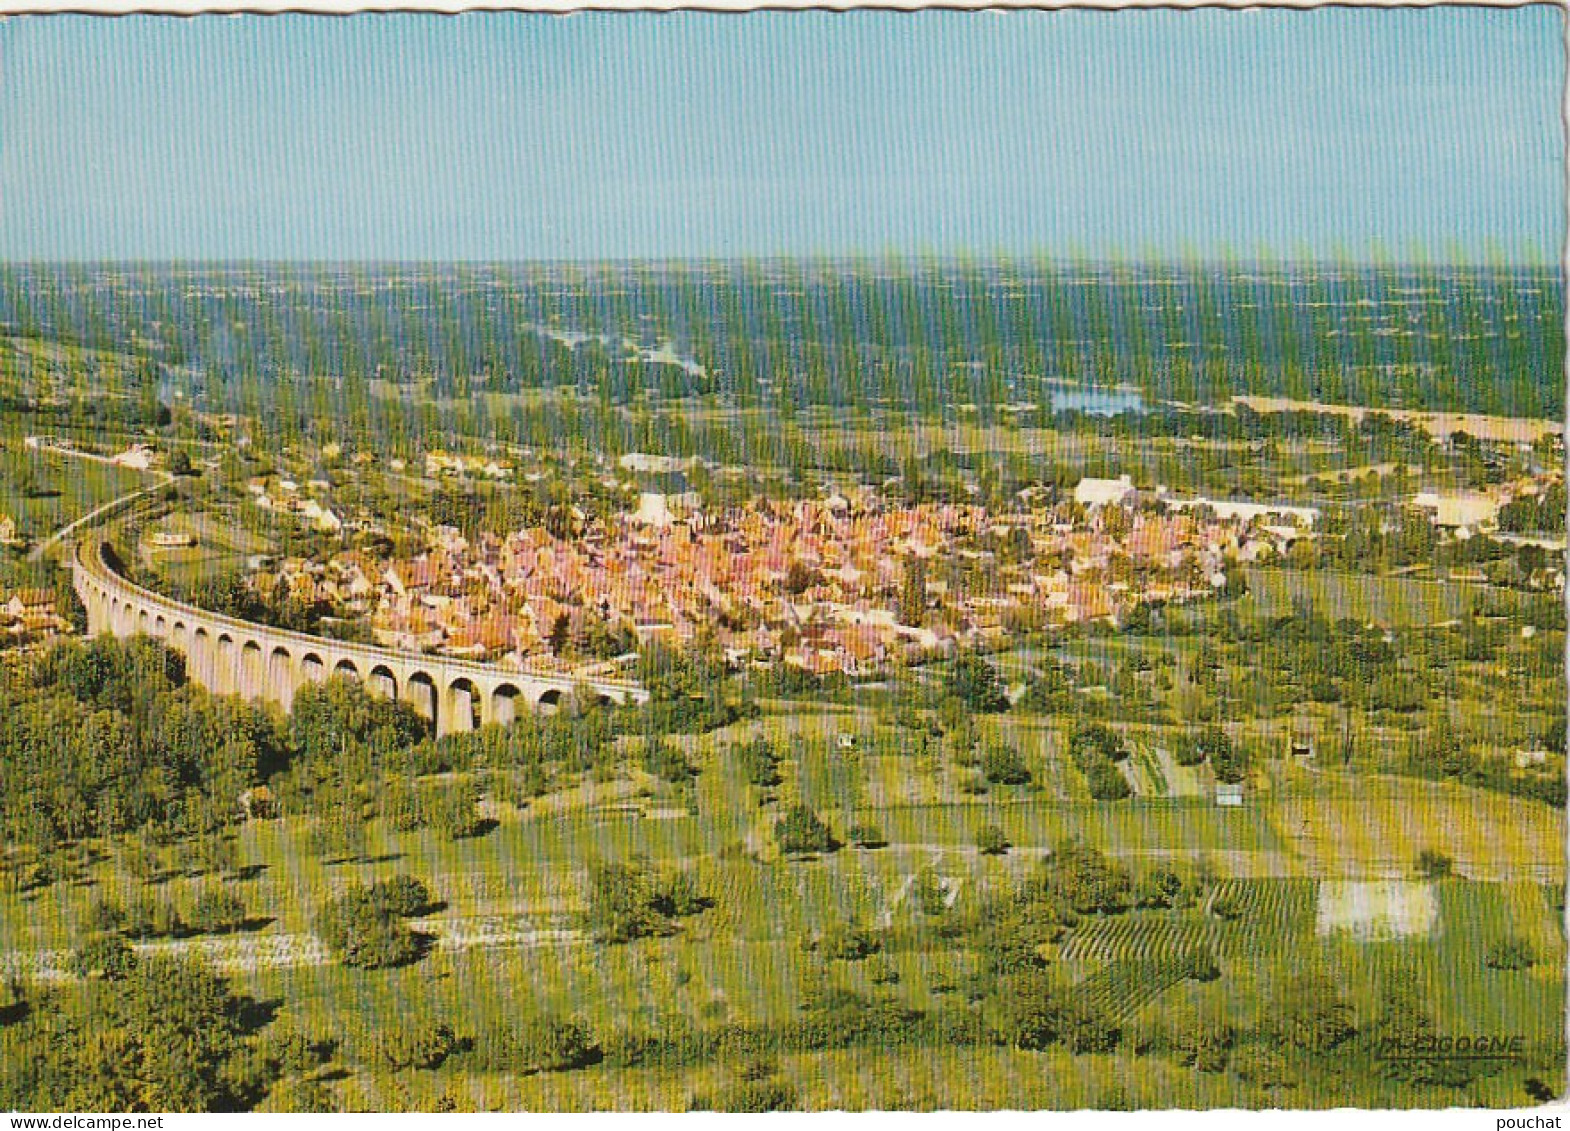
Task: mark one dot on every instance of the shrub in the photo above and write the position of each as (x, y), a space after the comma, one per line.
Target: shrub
(1160, 889)
(749, 1096)
(535, 1044)
(1200, 964)
(1003, 766)
(1226, 907)
(679, 895)
(801, 830)
(758, 762)
(403, 895)
(973, 785)
(1434, 865)
(867, 836)
(216, 911)
(416, 1045)
(452, 811)
(104, 915)
(991, 841)
(848, 944)
(975, 683)
(881, 973)
(927, 892)
(1203, 1040)
(1513, 953)
(664, 760)
(1261, 1066)
(148, 917)
(106, 956)
(400, 807)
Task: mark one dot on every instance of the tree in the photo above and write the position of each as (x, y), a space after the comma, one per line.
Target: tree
(1086, 880)
(621, 903)
(928, 892)
(1199, 964)
(1404, 1027)
(1309, 1012)
(913, 592)
(1035, 1007)
(338, 834)
(664, 760)
(1192, 749)
(1230, 764)
(104, 955)
(1203, 1039)
(421, 1045)
(848, 943)
(294, 1051)
(27, 483)
(402, 895)
(361, 931)
(534, 1044)
(867, 836)
(216, 911)
(802, 831)
(149, 917)
(975, 683)
(990, 841)
(1003, 766)
(180, 462)
(453, 810)
(1105, 782)
(759, 762)
(1510, 953)
(168, 1037)
(1434, 865)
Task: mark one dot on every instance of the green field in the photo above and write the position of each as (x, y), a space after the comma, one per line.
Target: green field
(1395, 601)
(221, 547)
(44, 491)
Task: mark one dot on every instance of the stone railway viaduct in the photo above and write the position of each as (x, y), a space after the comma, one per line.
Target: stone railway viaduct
(235, 657)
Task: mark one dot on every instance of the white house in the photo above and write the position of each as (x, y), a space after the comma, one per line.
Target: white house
(1100, 492)
(138, 457)
(1468, 511)
(657, 509)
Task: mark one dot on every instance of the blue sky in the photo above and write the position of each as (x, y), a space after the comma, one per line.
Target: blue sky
(1369, 134)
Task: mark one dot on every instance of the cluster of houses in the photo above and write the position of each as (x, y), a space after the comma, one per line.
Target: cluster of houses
(440, 463)
(30, 617)
(308, 504)
(845, 583)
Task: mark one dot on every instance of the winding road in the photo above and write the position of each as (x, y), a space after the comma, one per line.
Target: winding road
(45, 444)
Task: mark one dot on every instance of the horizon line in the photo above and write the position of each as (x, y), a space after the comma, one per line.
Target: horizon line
(890, 259)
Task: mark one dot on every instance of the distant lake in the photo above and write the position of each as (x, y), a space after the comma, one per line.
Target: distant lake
(1097, 402)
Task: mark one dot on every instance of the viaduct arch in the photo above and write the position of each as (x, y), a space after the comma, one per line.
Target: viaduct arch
(235, 657)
